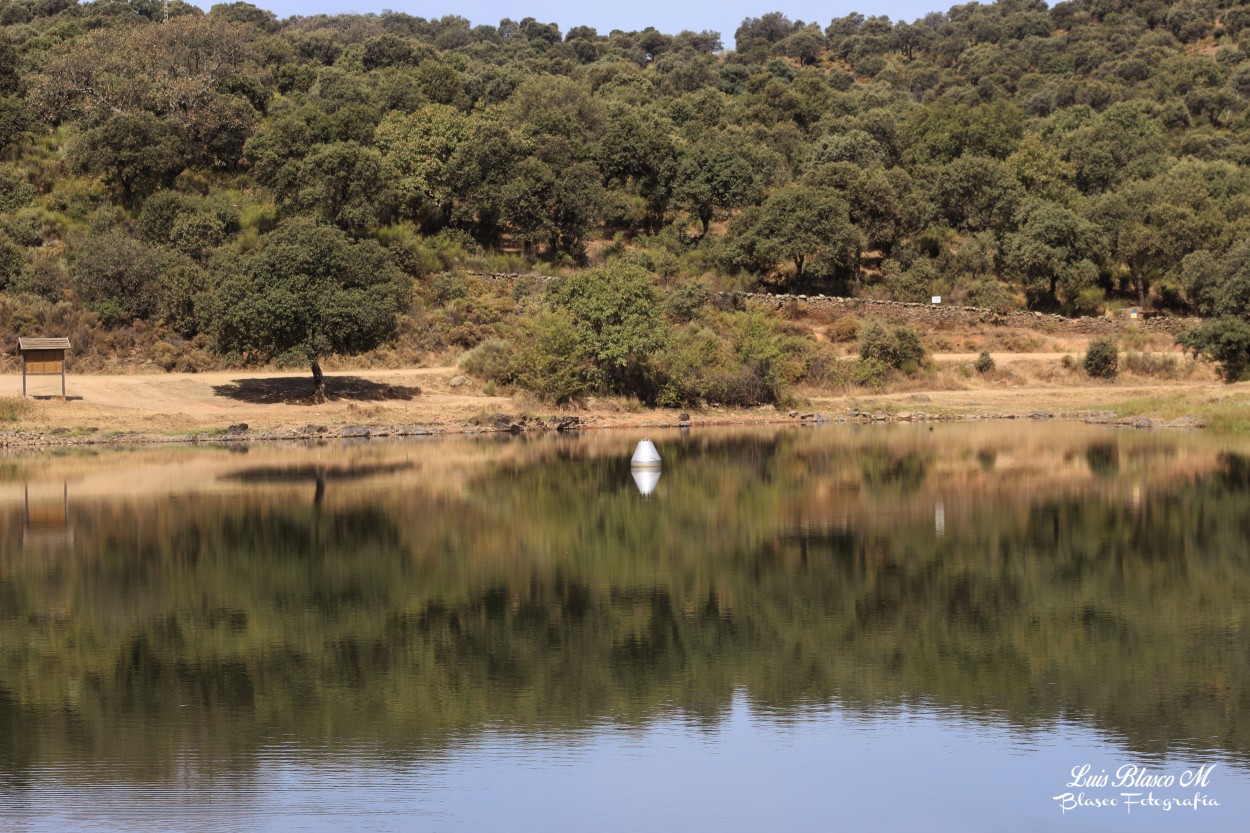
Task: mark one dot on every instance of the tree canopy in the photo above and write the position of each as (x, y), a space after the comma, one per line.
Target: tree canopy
(307, 292)
(1066, 158)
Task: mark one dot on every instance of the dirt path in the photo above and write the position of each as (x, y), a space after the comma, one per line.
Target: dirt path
(173, 401)
(1003, 358)
(172, 405)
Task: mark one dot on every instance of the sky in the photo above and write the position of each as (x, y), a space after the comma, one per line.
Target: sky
(665, 15)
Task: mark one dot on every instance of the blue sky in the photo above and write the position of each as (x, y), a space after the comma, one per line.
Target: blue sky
(665, 15)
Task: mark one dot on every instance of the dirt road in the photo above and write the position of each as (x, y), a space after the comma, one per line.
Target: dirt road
(182, 403)
(174, 401)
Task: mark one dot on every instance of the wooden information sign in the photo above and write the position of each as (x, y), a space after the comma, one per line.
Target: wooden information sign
(43, 357)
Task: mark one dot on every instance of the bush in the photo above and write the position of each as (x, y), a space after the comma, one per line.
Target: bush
(823, 368)
(43, 275)
(1102, 359)
(491, 360)
(1146, 364)
(1089, 301)
(13, 409)
(552, 365)
(449, 287)
(845, 329)
(984, 363)
(617, 323)
(687, 300)
(894, 348)
(988, 293)
(1226, 341)
(871, 373)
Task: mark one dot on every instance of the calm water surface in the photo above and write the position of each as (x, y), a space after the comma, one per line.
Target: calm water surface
(841, 628)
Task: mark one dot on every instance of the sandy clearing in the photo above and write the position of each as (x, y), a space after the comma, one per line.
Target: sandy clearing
(164, 401)
(194, 404)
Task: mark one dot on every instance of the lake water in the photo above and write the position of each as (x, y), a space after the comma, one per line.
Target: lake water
(840, 628)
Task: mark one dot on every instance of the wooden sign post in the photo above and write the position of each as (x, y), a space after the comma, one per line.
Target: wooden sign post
(43, 357)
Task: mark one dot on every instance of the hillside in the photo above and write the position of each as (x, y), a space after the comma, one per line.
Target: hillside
(1010, 156)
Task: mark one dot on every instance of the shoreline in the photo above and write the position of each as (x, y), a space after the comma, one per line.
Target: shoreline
(244, 434)
(234, 407)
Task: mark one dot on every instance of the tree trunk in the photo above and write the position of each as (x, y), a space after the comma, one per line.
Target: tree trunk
(319, 382)
(1140, 283)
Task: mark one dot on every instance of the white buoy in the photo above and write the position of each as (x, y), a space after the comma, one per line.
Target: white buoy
(646, 480)
(645, 456)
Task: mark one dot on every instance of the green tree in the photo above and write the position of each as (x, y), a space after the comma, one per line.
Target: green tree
(118, 276)
(479, 171)
(619, 329)
(134, 153)
(1224, 340)
(345, 184)
(944, 131)
(977, 194)
(184, 72)
(1152, 225)
(542, 204)
(1054, 252)
(713, 179)
(1219, 286)
(801, 225)
(306, 292)
(419, 147)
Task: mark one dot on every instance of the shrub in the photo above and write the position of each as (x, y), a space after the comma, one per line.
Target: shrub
(491, 360)
(552, 365)
(749, 361)
(13, 409)
(118, 276)
(1102, 359)
(15, 191)
(825, 369)
(871, 373)
(988, 293)
(1226, 341)
(845, 329)
(687, 300)
(617, 323)
(693, 359)
(765, 353)
(43, 275)
(894, 348)
(11, 260)
(908, 348)
(1089, 301)
(984, 363)
(449, 287)
(1146, 364)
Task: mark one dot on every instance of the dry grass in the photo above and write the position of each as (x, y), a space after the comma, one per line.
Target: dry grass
(13, 409)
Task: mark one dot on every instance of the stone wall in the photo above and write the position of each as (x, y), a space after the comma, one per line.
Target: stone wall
(944, 316)
(940, 316)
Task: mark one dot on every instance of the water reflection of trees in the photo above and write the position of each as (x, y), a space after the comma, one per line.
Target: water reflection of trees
(409, 618)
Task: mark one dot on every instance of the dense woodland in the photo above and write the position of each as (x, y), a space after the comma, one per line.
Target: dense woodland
(178, 182)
